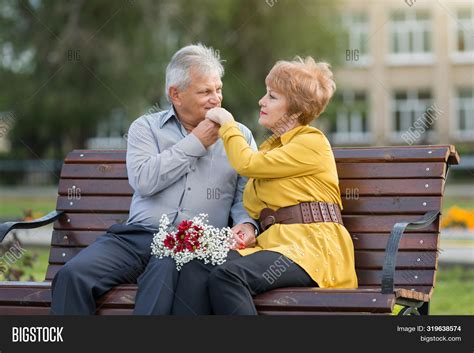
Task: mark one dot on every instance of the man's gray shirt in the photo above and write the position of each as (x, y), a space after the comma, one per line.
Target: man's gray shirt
(172, 173)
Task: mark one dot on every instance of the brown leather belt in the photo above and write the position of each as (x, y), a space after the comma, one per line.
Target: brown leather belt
(305, 212)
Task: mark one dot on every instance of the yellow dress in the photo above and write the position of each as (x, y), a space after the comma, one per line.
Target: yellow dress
(297, 167)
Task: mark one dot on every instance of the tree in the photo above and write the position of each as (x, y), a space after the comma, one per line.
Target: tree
(67, 65)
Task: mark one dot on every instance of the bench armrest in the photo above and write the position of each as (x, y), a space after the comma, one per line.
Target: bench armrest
(8, 226)
(388, 271)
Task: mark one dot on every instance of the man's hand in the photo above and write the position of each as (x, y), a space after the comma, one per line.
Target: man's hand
(207, 132)
(244, 236)
(219, 115)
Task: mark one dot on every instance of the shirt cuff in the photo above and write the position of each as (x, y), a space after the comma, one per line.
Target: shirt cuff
(251, 221)
(191, 146)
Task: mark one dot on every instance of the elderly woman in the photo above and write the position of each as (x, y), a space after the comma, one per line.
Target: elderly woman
(292, 190)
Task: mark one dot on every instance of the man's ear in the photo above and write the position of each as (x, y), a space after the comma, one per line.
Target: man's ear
(175, 97)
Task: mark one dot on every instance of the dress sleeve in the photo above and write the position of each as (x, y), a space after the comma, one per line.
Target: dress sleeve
(299, 157)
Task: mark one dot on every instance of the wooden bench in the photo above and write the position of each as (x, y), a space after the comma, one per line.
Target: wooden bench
(392, 202)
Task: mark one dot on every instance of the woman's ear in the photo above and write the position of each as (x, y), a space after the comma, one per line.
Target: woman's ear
(175, 97)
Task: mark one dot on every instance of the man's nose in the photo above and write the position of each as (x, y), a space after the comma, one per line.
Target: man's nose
(215, 99)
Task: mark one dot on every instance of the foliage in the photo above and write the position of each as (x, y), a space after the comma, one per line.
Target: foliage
(71, 65)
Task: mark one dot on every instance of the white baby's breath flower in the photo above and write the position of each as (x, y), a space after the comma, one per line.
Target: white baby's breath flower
(214, 243)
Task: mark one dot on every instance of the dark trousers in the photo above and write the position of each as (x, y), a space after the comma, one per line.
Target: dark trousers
(120, 256)
(228, 289)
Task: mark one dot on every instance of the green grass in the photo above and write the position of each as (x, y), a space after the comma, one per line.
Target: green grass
(463, 202)
(39, 266)
(38, 271)
(13, 207)
(454, 292)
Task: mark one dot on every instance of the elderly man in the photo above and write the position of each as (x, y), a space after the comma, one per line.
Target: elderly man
(177, 166)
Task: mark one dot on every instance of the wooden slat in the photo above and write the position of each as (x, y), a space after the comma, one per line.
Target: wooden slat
(94, 204)
(393, 154)
(74, 238)
(405, 259)
(363, 205)
(62, 255)
(25, 293)
(96, 156)
(454, 157)
(380, 224)
(384, 187)
(352, 155)
(390, 170)
(34, 294)
(349, 188)
(326, 301)
(403, 278)
(410, 294)
(345, 170)
(91, 221)
(354, 224)
(23, 310)
(37, 310)
(84, 187)
(363, 259)
(94, 171)
(409, 241)
(362, 241)
(391, 205)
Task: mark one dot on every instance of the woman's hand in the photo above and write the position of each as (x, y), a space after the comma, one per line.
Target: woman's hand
(244, 236)
(219, 115)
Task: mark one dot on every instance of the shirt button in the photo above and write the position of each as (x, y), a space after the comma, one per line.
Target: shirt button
(189, 188)
(193, 169)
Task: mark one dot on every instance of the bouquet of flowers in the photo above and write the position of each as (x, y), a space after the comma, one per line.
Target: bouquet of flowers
(194, 239)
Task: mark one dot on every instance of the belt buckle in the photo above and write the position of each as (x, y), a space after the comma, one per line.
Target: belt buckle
(264, 216)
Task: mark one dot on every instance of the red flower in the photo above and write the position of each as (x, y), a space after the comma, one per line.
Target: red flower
(169, 242)
(185, 225)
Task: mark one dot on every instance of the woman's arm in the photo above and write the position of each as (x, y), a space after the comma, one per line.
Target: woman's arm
(297, 158)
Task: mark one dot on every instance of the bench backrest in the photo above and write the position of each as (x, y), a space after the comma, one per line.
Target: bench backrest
(380, 186)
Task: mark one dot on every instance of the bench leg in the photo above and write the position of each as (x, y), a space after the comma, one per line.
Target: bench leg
(424, 309)
(411, 307)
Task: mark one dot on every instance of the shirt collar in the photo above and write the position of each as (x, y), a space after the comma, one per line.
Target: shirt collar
(288, 136)
(167, 116)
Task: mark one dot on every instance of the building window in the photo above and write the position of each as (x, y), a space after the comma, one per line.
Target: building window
(464, 112)
(414, 117)
(357, 40)
(410, 37)
(351, 123)
(464, 35)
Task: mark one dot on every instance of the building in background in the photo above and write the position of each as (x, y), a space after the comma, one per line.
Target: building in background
(408, 74)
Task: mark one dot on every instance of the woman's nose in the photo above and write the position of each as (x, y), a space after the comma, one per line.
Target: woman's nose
(261, 102)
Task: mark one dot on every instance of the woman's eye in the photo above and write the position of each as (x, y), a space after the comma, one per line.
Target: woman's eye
(272, 97)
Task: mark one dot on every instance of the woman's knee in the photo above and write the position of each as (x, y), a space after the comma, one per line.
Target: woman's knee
(221, 274)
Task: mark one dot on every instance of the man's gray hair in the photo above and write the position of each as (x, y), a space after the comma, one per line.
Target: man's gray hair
(204, 59)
